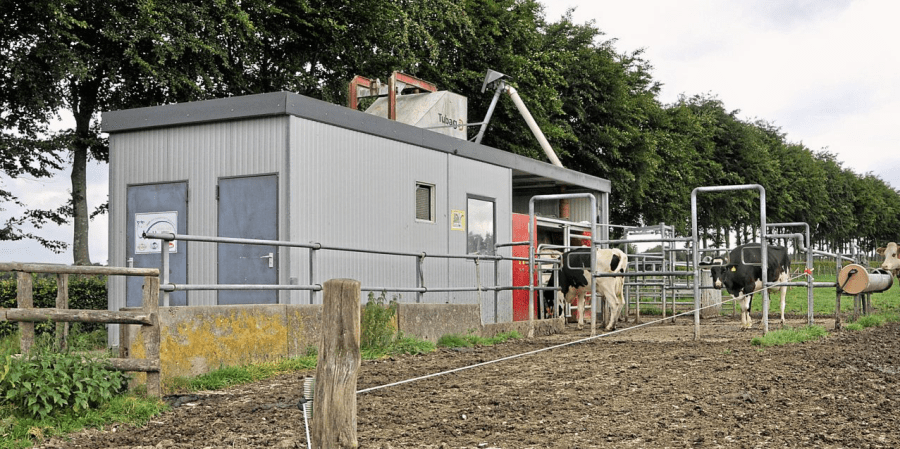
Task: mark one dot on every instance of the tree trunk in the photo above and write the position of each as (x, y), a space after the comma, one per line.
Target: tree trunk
(80, 242)
(84, 104)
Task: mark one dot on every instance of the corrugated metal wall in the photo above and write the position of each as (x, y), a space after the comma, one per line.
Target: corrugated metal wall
(200, 155)
(356, 190)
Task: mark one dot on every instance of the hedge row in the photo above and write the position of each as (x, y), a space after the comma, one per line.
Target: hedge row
(85, 292)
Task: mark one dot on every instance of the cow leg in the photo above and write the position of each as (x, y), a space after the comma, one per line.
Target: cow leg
(783, 278)
(745, 301)
(578, 293)
(620, 293)
(607, 288)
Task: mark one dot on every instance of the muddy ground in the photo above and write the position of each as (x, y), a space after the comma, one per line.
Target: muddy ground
(651, 387)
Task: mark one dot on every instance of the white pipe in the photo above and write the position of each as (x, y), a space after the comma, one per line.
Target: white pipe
(548, 150)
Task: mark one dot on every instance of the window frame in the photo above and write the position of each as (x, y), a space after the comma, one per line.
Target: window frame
(469, 222)
(432, 211)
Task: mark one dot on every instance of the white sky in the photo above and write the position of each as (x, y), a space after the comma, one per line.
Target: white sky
(825, 71)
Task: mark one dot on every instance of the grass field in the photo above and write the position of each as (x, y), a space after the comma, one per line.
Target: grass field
(824, 300)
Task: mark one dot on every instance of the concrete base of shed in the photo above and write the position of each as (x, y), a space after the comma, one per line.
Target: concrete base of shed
(197, 340)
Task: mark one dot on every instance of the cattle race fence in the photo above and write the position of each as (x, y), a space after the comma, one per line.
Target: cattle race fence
(668, 280)
(148, 316)
(660, 277)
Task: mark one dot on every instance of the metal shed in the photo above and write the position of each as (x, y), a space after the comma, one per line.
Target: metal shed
(282, 166)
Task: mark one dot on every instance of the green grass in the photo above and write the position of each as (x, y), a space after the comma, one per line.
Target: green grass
(237, 375)
(470, 340)
(22, 432)
(824, 300)
(790, 335)
(400, 345)
(796, 301)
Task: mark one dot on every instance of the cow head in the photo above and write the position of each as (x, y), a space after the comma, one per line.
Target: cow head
(891, 262)
(718, 267)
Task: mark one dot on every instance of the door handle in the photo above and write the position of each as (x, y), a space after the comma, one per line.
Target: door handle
(271, 257)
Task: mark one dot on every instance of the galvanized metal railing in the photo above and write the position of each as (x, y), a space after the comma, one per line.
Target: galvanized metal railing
(420, 289)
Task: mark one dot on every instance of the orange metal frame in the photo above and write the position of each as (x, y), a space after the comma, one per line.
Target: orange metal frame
(408, 80)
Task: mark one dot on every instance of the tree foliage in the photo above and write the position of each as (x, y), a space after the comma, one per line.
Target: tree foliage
(598, 106)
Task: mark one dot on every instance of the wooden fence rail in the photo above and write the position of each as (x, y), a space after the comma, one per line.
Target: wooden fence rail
(148, 317)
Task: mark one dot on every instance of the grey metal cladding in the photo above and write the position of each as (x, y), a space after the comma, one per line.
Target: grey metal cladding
(288, 103)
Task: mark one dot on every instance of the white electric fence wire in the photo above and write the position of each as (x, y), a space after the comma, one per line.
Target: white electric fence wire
(428, 376)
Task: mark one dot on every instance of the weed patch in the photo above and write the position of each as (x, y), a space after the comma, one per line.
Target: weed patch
(470, 340)
(790, 335)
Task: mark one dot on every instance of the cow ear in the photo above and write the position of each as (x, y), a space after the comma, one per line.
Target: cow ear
(880, 251)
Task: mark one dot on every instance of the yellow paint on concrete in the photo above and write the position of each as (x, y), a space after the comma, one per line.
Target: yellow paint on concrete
(227, 338)
(137, 351)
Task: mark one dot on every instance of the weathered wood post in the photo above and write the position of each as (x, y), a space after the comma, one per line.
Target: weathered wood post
(334, 402)
(150, 333)
(25, 300)
(62, 303)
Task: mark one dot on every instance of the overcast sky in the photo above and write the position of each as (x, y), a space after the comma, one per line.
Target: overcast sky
(825, 71)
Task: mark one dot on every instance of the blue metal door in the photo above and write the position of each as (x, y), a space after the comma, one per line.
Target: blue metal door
(248, 208)
(156, 207)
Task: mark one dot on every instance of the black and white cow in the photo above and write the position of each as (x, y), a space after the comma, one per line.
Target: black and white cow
(574, 282)
(571, 281)
(742, 271)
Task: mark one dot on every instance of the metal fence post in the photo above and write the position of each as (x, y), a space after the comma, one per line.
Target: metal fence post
(420, 276)
(312, 272)
(164, 272)
(496, 290)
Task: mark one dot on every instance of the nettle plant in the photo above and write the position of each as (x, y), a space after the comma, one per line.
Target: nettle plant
(45, 381)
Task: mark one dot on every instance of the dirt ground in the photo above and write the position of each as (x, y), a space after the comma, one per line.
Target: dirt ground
(652, 387)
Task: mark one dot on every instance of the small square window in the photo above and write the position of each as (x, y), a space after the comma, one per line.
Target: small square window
(424, 202)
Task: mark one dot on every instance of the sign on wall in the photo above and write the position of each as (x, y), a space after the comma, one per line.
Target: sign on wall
(154, 222)
(457, 220)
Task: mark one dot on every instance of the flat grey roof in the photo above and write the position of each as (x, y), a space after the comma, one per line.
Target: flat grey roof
(527, 172)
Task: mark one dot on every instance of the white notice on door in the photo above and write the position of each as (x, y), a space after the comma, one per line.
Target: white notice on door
(154, 222)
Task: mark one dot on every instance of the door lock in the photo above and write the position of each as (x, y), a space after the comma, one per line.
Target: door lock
(271, 257)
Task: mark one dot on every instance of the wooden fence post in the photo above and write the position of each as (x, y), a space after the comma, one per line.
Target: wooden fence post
(62, 303)
(151, 333)
(25, 300)
(334, 402)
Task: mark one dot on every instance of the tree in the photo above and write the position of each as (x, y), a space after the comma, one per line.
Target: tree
(87, 57)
